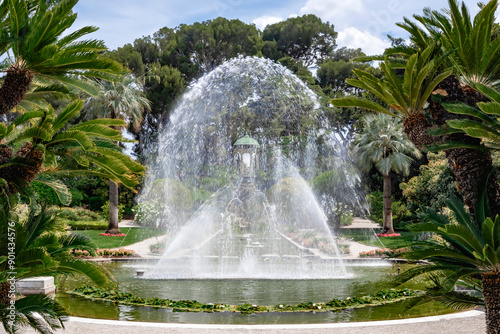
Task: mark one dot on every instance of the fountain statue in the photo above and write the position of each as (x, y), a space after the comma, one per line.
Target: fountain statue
(235, 206)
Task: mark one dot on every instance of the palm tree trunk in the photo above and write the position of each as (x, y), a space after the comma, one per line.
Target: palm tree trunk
(113, 209)
(415, 127)
(4, 295)
(25, 173)
(387, 213)
(470, 167)
(491, 293)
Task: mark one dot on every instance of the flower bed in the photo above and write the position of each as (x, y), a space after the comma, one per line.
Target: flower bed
(112, 235)
(157, 248)
(106, 252)
(385, 252)
(388, 235)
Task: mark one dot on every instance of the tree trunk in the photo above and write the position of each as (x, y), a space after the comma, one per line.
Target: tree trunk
(4, 295)
(113, 209)
(17, 82)
(387, 211)
(23, 172)
(491, 293)
(470, 167)
(415, 127)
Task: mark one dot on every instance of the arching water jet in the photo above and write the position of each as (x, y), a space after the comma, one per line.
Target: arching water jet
(248, 202)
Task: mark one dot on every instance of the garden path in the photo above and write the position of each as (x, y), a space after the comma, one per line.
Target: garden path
(142, 248)
(357, 247)
(470, 322)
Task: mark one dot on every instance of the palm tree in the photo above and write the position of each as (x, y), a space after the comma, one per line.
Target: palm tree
(483, 121)
(118, 100)
(47, 145)
(35, 44)
(40, 249)
(467, 48)
(384, 145)
(403, 98)
(465, 252)
(471, 51)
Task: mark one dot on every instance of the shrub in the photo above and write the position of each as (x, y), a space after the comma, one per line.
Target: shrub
(105, 211)
(77, 214)
(386, 252)
(346, 219)
(157, 248)
(106, 252)
(400, 212)
(434, 184)
(96, 203)
(76, 197)
(85, 224)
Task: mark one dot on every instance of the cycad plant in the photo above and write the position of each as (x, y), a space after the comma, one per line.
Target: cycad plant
(39, 249)
(482, 122)
(471, 50)
(465, 252)
(468, 48)
(402, 97)
(34, 43)
(382, 144)
(40, 141)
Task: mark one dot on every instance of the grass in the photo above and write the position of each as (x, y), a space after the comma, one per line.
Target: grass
(133, 235)
(368, 237)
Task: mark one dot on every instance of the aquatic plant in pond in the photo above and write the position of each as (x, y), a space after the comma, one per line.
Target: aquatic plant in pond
(244, 199)
(378, 298)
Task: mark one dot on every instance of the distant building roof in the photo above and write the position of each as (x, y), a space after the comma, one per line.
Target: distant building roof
(246, 140)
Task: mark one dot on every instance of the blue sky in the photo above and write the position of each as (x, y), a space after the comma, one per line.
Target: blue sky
(360, 23)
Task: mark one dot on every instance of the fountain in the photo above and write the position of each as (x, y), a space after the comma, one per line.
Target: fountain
(244, 210)
(243, 224)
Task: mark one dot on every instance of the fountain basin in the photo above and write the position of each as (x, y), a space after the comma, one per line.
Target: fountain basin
(365, 280)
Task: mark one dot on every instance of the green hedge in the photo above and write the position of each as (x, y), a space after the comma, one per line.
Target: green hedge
(85, 224)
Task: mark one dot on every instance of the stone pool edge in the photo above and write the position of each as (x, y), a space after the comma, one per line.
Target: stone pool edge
(465, 314)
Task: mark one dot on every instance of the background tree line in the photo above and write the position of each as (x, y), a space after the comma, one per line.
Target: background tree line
(172, 58)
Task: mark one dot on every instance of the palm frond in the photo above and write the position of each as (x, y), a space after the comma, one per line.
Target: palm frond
(95, 272)
(61, 190)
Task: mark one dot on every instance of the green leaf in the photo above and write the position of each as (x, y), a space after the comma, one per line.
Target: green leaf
(72, 110)
(35, 132)
(361, 103)
(72, 135)
(28, 116)
(96, 273)
(60, 189)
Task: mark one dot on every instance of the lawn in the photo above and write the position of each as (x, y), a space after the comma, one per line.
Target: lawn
(368, 237)
(133, 235)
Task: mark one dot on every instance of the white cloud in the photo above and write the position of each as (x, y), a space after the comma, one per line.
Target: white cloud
(354, 38)
(263, 21)
(334, 10)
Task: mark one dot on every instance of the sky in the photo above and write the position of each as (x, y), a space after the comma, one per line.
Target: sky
(360, 23)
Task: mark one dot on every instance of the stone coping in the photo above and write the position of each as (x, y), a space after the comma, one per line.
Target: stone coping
(437, 318)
